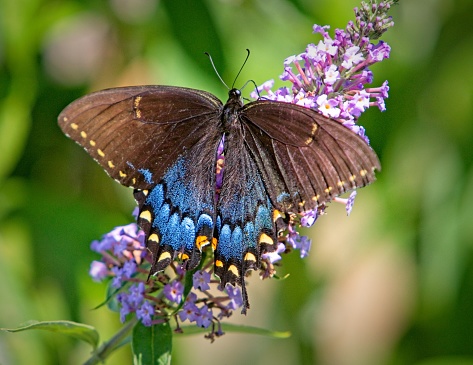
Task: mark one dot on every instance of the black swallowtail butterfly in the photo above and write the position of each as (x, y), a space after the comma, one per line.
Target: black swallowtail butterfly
(162, 141)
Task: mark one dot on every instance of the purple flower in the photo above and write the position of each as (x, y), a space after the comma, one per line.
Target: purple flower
(125, 309)
(129, 269)
(297, 241)
(234, 293)
(204, 317)
(122, 274)
(304, 245)
(189, 310)
(328, 107)
(352, 57)
(136, 295)
(201, 280)
(379, 52)
(335, 71)
(347, 202)
(98, 270)
(324, 48)
(174, 291)
(350, 202)
(130, 301)
(145, 313)
(274, 256)
(309, 218)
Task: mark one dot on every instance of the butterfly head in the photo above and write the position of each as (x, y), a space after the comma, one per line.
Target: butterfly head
(234, 97)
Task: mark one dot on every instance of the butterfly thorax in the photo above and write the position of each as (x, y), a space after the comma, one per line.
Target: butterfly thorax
(230, 110)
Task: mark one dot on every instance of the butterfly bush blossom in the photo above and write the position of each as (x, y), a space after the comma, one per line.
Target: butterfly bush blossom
(331, 77)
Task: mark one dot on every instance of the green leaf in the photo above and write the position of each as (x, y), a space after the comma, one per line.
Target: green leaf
(77, 330)
(194, 27)
(152, 345)
(228, 327)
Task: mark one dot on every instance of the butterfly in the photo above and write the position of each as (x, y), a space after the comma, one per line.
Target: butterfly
(279, 158)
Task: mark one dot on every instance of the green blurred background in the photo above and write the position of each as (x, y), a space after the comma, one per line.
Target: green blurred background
(391, 284)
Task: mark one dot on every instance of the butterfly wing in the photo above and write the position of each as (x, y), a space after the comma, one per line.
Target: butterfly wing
(306, 158)
(162, 140)
(137, 133)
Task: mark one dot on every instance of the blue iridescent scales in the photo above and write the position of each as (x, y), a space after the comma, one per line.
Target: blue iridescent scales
(161, 140)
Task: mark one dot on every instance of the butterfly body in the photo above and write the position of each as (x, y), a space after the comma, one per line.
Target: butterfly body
(163, 141)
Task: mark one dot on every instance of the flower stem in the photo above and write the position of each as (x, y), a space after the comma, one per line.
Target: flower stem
(111, 345)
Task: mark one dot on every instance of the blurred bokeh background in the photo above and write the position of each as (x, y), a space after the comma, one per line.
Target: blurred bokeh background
(391, 284)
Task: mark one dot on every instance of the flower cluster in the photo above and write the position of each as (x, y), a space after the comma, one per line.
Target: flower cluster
(330, 77)
(126, 261)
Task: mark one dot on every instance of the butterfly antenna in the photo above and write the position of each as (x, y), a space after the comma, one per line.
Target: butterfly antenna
(215, 69)
(241, 68)
(256, 87)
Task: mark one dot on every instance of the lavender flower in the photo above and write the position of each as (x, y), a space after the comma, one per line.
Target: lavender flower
(145, 313)
(330, 77)
(174, 291)
(204, 317)
(98, 270)
(275, 256)
(201, 280)
(236, 300)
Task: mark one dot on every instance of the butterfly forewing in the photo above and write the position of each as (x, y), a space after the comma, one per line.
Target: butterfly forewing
(137, 133)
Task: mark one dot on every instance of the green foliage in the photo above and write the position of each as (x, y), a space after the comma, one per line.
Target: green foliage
(393, 286)
(77, 330)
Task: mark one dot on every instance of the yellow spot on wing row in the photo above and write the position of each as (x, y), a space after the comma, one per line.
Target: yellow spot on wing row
(250, 257)
(83, 134)
(146, 215)
(276, 214)
(111, 165)
(218, 263)
(121, 173)
(73, 125)
(183, 256)
(264, 238)
(136, 105)
(201, 241)
(233, 269)
(154, 237)
(100, 152)
(164, 256)
(92, 143)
